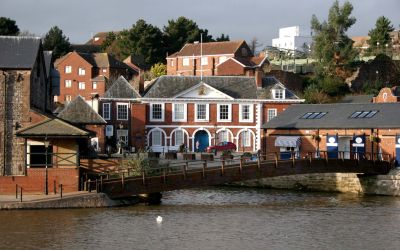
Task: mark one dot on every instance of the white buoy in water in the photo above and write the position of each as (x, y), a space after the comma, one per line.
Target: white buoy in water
(159, 219)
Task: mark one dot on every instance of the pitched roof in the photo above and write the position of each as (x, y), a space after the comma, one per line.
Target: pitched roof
(100, 37)
(78, 111)
(238, 87)
(211, 48)
(338, 116)
(102, 60)
(250, 62)
(53, 127)
(269, 83)
(121, 89)
(18, 52)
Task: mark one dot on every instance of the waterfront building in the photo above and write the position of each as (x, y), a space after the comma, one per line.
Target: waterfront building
(345, 130)
(292, 39)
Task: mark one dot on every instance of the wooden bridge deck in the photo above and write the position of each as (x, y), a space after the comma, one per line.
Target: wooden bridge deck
(233, 171)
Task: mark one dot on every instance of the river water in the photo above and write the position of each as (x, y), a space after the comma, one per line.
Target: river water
(215, 218)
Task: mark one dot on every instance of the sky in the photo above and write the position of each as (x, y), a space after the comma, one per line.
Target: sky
(81, 19)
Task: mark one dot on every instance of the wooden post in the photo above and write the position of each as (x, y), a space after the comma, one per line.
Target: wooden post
(108, 174)
(186, 165)
(204, 169)
(293, 160)
(276, 159)
(16, 191)
(143, 177)
(123, 181)
(241, 165)
(165, 175)
(54, 187)
(222, 166)
(184, 172)
(97, 186)
(101, 182)
(21, 194)
(259, 162)
(61, 190)
(89, 186)
(310, 158)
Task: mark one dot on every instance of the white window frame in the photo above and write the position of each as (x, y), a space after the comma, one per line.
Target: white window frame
(123, 133)
(251, 114)
(225, 135)
(81, 85)
(68, 98)
(162, 112)
(174, 119)
(182, 137)
(204, 60)
(247, 142)
(94, 85)
(109, 111)
(207, 112)
(229, 112)
(186, 61)
(153, 141)
(68, 69)
(81, 71)
(172, 63)
(68, 83)
(127, 111)
(275, 93)
(268, 114)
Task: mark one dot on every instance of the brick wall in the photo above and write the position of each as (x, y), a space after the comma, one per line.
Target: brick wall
(230, 67)
(385, 95)
(34, 182)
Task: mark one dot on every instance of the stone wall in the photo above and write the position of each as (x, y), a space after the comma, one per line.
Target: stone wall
(346, 183)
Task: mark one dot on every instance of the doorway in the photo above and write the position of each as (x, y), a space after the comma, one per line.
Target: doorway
(344, 146)
(202, 138)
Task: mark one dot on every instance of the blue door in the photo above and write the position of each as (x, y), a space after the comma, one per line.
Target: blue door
(201, 141)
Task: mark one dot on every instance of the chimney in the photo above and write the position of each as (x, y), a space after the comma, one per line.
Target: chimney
(259, 76)
(141, 82)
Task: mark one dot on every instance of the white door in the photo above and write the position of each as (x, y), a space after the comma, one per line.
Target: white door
(344, 146)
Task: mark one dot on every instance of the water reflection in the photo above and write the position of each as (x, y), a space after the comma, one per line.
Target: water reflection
(217, 218)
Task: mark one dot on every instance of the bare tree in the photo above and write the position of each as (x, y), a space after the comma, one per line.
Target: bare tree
(254, 45)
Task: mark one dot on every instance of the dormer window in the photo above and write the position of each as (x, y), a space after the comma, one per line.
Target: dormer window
(278, 93)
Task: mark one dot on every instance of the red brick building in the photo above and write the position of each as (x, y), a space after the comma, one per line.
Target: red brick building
(388, 95)
(215, 58)
(87, 74)
(345, 130)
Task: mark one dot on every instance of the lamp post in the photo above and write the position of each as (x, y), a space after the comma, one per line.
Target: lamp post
(46, 145)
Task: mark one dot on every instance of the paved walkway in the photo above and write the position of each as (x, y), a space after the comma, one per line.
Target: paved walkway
(38, 197)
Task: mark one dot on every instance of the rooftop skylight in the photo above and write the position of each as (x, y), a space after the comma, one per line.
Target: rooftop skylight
(364, 114)
(313, 115)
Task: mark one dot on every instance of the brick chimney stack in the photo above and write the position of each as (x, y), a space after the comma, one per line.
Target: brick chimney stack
(259, 74)
(141, 82)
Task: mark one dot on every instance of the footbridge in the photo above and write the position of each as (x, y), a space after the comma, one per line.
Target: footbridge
(208, 171)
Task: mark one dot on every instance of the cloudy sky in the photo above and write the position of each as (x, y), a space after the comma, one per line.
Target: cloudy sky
(79, 19)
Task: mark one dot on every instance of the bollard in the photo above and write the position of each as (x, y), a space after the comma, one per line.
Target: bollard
(259, 162)
(54, 187)
(165, 175)
(123, 181)
(21, 194)
(222, 167)
(16, 191)
(184, 172)
(101, 183)
(89, 186)
(204, 169)
(276, 160)
(143, 178)
(97, 186)
(241, 165)
(61, 190)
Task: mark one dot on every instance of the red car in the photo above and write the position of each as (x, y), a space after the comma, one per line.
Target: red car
(222, 146)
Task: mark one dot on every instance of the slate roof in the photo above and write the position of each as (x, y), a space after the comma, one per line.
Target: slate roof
(269, 83)
(121, 89)
(338, 116)
(102, 60)
(211, 48)
(52, 128)
(78, 111)
(238, 87)
(18, 52)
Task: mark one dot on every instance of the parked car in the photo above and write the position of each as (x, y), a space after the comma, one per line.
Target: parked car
(221, 147)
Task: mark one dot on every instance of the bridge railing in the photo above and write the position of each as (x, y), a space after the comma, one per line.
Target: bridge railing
(222, 163)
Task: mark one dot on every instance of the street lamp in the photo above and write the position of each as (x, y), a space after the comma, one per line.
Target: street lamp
(46, 145)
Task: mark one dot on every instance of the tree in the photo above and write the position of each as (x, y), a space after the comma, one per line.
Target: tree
(254, 45)
(222, 38)
(380, 35)
(332, 48)
(181, 31)
(27, 33)
(110, 38)
(57, 42)
(8, 27)
(158, 69)
(142, 39)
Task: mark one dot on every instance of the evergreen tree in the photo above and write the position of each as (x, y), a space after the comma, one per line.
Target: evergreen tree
(57, 42)
(222, 38)
(181, 31)
(332, 48)
(380, 35)
(8, 27)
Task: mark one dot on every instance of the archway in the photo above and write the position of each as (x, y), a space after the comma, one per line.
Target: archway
(201, 136)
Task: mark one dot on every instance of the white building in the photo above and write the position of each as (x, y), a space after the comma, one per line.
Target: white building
(292, 38)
